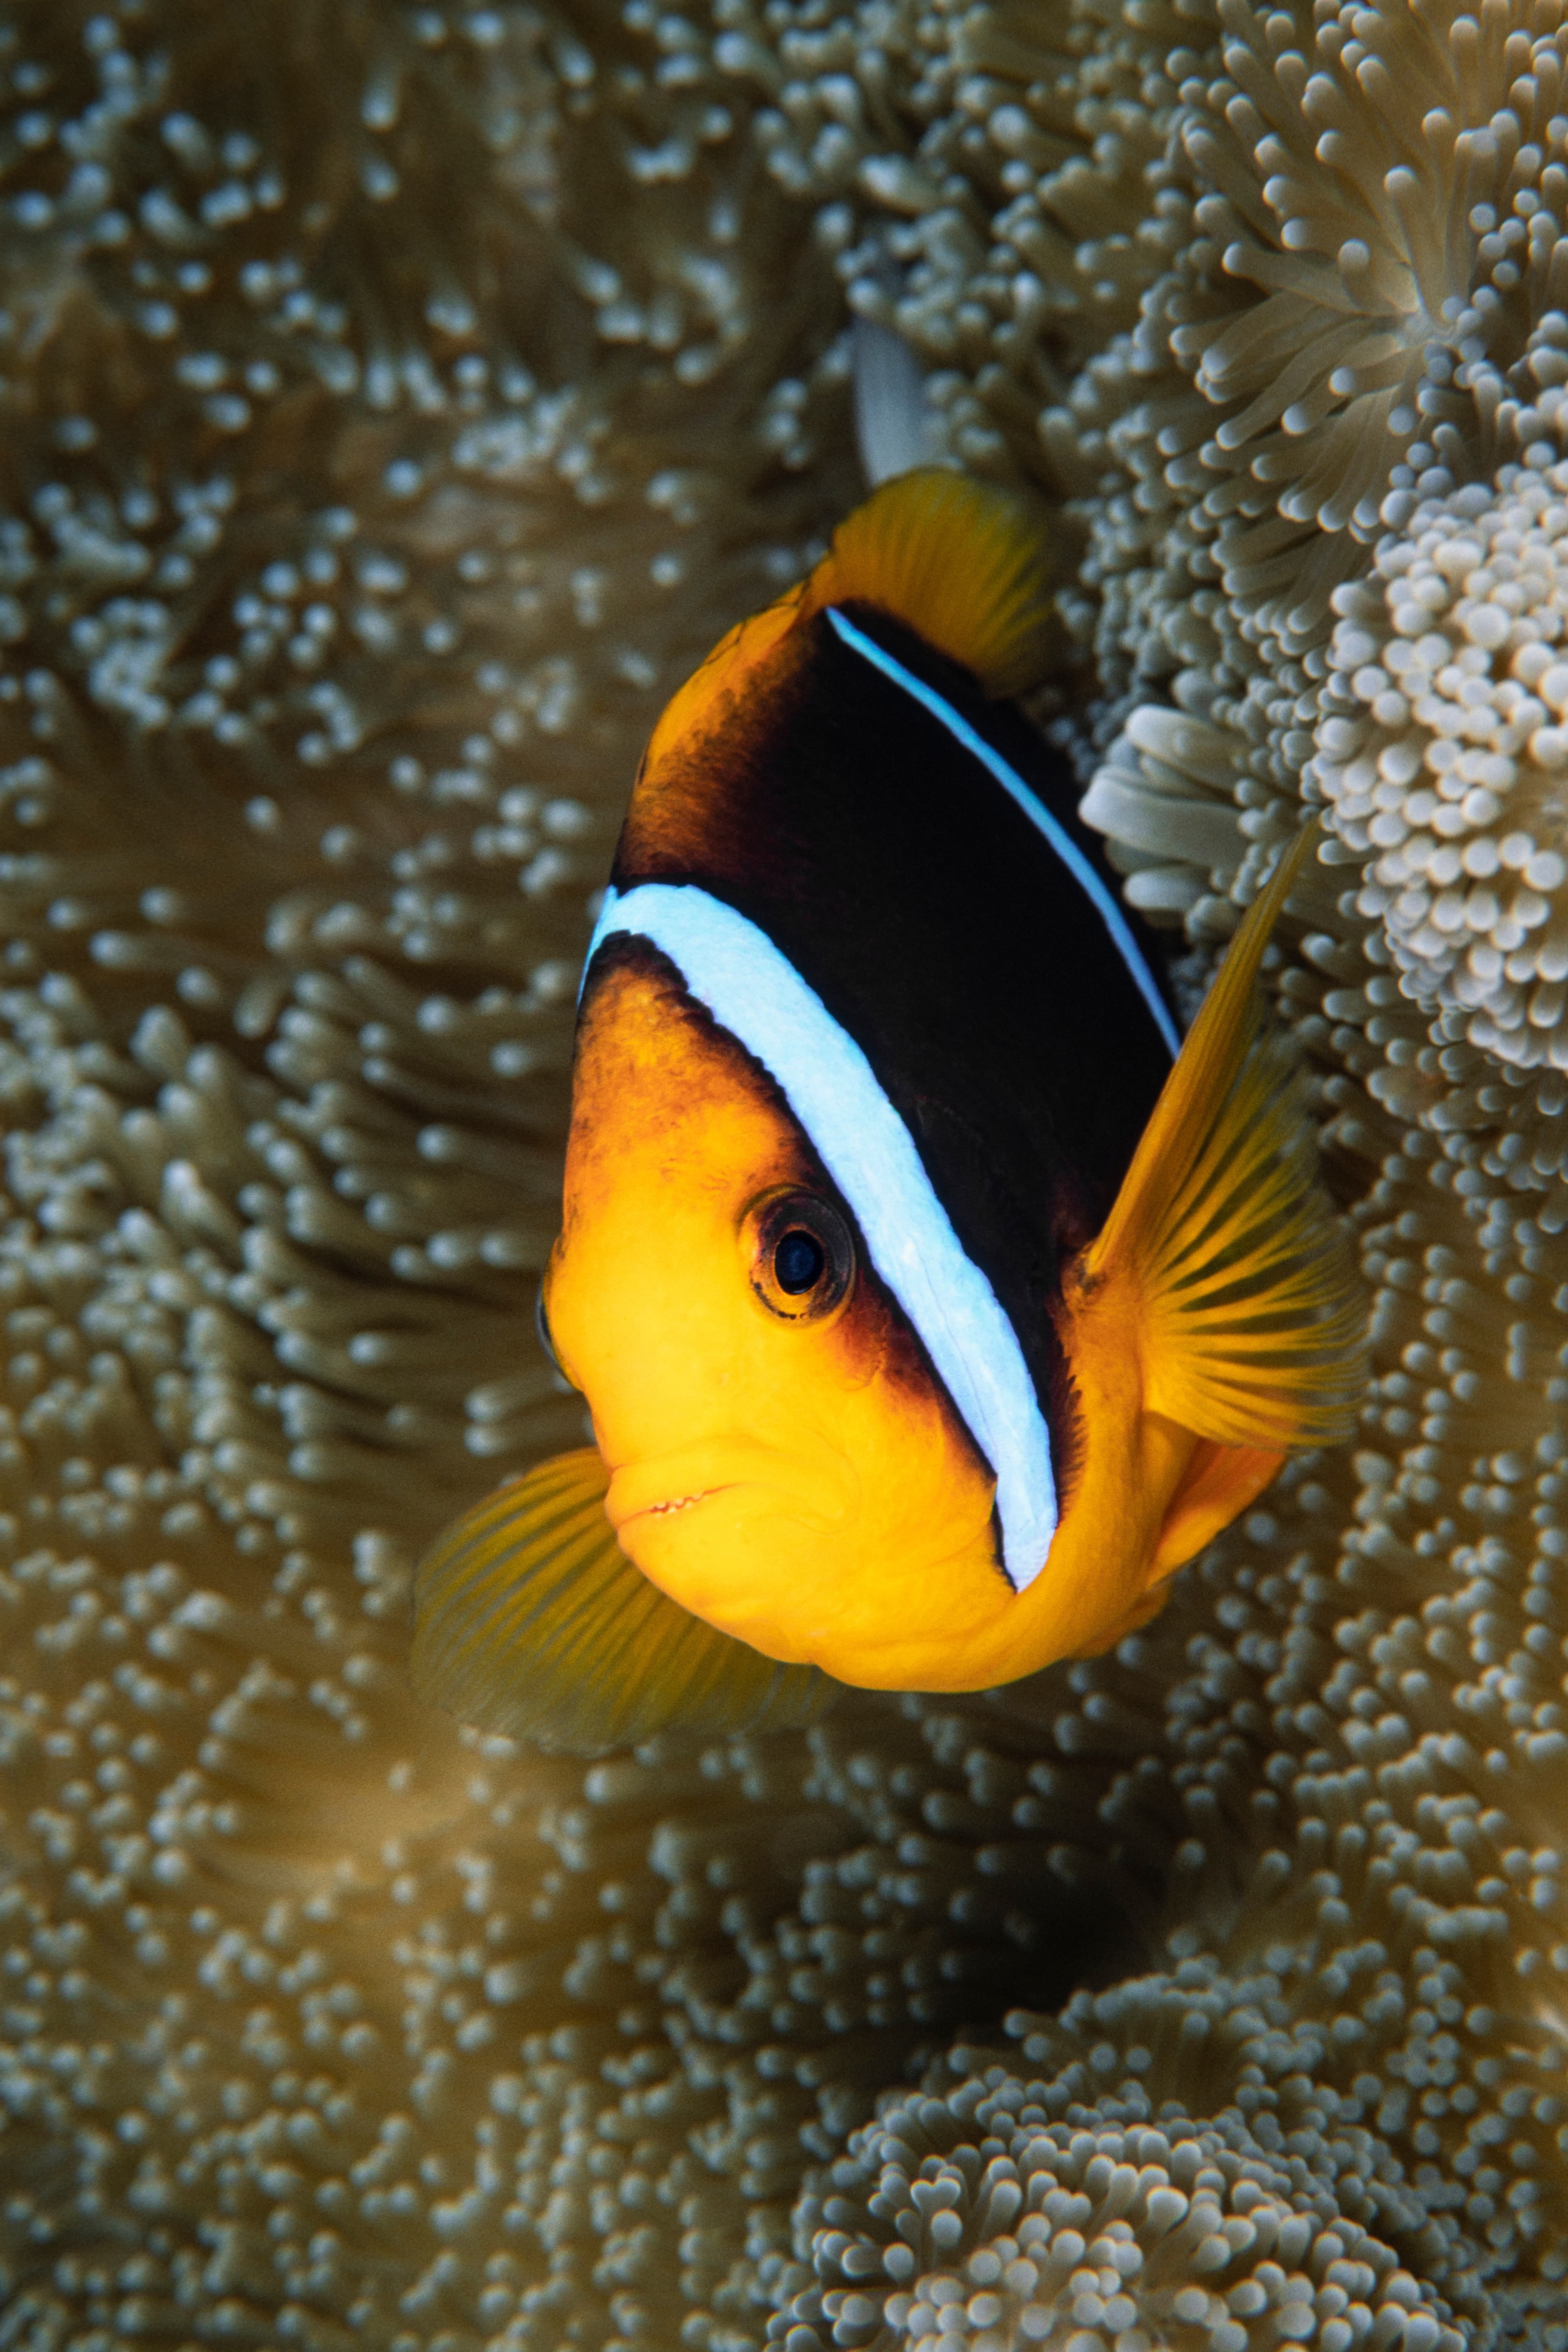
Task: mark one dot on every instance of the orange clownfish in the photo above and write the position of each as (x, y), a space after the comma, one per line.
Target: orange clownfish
(932, 1299)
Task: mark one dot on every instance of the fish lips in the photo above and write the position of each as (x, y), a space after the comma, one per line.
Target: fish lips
(816, 1488)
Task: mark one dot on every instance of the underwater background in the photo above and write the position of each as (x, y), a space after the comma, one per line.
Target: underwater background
(397, 401)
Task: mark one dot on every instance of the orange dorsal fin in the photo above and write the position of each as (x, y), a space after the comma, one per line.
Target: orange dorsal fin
(530, 1619)
(962, 564)
(1238, 1274)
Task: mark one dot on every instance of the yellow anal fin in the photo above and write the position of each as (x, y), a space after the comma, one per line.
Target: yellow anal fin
(962, 564)
(529, 1619)
(1222, 1246)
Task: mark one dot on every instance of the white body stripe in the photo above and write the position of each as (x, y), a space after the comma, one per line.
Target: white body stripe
(1033, 808)
(755, 993)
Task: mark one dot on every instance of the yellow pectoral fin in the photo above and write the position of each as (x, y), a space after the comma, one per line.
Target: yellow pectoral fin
(1251, 1321)
(530, 1619)
(1148, 1605)
(1220, 1482)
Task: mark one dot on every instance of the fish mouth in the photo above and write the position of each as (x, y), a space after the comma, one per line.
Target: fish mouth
(667, 1510)
(670, 1489)
(651, 1494)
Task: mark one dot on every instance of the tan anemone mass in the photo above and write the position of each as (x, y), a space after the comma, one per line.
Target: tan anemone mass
(396, 401)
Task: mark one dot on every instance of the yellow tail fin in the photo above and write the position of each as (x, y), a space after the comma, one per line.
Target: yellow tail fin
(1251, 1320)
(530, 1619)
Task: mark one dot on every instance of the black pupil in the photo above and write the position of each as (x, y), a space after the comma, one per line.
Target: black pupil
(799, 1263)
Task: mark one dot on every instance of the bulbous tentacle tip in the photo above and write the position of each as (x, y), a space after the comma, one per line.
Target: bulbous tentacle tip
(999, 2209)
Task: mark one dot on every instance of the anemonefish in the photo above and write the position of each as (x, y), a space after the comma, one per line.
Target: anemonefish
(932, 1301)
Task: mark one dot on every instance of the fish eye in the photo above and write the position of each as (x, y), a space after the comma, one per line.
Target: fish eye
(799, 1262)
(541, 1332)
(802, 1255)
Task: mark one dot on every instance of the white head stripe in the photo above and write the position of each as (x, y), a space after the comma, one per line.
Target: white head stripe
(756, 993)
(1033, 808)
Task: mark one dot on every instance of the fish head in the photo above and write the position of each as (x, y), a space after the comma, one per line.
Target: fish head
(783, 1460)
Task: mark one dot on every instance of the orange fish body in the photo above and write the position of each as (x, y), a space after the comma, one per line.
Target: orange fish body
(928, 1317)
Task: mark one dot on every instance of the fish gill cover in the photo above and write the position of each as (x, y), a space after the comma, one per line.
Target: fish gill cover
(397, 401)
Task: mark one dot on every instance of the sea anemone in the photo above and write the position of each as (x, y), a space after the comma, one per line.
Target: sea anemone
(1451, 781)
(397, 403)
